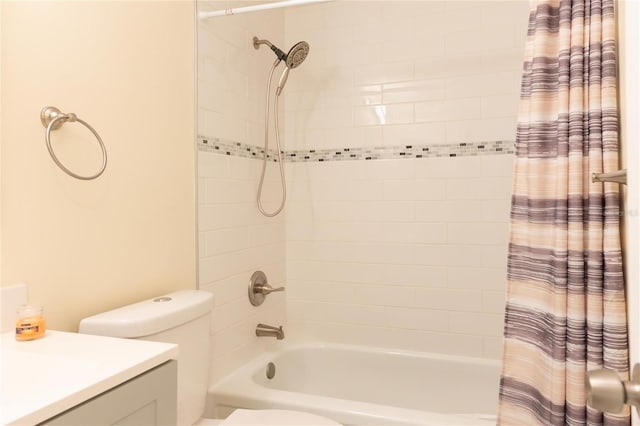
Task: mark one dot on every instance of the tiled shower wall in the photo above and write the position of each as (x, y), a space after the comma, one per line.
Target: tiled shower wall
(235, 240)
(407, 253)
(400, 251)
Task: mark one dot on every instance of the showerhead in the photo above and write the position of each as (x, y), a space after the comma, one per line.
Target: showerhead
(293, 59)
(297, 54)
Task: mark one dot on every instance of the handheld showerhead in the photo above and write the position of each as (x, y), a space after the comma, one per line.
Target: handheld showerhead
(282, 81)
(293, 59)
(296, 56)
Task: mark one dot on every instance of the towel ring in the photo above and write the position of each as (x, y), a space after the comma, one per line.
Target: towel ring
(52, 118)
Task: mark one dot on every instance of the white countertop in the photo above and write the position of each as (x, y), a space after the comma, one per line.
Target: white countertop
(44, 377)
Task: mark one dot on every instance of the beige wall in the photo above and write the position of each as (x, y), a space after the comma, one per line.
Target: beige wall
(0, 143)
(629, 66)
(127, 68)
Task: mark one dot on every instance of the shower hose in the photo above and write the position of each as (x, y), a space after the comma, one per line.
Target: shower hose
(266, 149)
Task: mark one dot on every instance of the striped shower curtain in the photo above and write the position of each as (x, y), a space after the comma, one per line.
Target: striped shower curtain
(565, 310)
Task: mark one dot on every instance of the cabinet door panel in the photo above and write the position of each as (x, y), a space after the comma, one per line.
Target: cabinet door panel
(148, 399)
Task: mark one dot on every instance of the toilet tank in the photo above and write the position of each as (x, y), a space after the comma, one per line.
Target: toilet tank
(184, 318)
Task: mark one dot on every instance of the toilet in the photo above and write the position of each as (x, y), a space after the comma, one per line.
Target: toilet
(184, 318)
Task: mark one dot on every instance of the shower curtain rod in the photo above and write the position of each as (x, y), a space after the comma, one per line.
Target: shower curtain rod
(258, 7)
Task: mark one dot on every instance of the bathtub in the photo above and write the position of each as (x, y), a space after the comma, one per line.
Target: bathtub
(357, 385)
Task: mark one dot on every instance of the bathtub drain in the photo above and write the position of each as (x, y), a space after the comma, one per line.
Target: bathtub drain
(271, 370)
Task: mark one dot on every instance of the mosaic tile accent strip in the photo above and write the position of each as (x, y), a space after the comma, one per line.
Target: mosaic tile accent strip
(464, 149)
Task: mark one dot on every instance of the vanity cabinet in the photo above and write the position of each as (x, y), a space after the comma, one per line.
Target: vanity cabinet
(147, 399)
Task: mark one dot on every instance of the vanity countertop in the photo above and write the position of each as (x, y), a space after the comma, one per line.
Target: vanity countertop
(44, 377)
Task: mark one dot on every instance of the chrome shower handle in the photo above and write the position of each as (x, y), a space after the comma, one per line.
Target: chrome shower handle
(266, 289)
(259, 288)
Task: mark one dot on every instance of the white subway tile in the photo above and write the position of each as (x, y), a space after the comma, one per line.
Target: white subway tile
(384, 73)
(415, 190)
(226, 240)
(476, 323)
(477, 278)
(413, 91)
(202, 193)
(383, 114)
(432, 255)
(446, 343)
(223, 266)
(485, 188)
(448, 110)
(431, 111)
(421, 233)
(449, 300)
(433, 68)
(225, 316)
(367, 211)
(228, 289)
(498, 83)
(495, 256)
(464, 42)
(476, 233)
(412, 134)
(503, 59)
(417, 319)
(492, 347)
(448, 211)
(201, 244)
(322, 291)
(500, 128)
(384, 295)
(328, 251)
(494, 302)
(267, 234)
(463, 131)
(409, 50)
(369, 136)
(497, 165)
(354, 190)
(388, 169)
(464, 255)
(448, 167)
(219, 216)
(496, 210)
(351, 314)
(419, 275)
(229, 191)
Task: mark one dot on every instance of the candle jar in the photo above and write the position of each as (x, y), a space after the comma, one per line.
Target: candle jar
(30, 323)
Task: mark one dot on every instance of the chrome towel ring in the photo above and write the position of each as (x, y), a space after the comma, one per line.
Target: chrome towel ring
(52, 118)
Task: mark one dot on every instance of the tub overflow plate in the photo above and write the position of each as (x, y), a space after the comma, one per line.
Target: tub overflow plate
(271, 370)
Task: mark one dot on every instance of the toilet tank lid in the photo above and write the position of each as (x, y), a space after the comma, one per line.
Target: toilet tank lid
(150, 316)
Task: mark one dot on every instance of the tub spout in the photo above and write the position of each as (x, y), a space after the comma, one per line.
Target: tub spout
(268, 330)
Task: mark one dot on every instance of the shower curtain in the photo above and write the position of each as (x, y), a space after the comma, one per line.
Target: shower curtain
(565, 310)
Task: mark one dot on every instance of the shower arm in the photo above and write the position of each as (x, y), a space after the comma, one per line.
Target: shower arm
(279, 53)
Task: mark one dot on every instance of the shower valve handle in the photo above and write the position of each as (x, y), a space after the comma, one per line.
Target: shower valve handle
(267, 289)
(259, 288)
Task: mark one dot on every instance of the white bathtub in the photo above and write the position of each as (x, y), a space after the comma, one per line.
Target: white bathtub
(357, 385)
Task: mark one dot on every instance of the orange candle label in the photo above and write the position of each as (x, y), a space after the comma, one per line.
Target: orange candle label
(30, 328)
